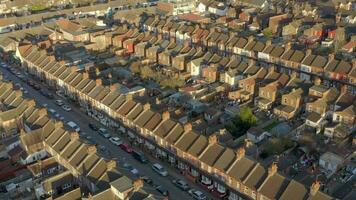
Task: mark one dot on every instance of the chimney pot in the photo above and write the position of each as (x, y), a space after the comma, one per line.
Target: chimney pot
(31, 103)
(92, 149)
(240, 153)
(188, 127)
(73, 69)
(74, 136)
(129, 97)
(85, 75)
(111, 164)
(147, 106)
(138, 184)
(42, 111)
(213, 139)
(273, 169)
(314, 188)
(165, 115)
(98, 82)
(58, 124)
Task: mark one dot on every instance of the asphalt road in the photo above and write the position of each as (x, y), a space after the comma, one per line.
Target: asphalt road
(124, 159)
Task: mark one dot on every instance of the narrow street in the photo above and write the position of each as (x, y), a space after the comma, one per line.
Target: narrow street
(125, 161)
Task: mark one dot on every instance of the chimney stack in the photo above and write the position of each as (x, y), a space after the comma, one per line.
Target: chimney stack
(58, 124)
(147, 106)
(165, 115)
(314, 188)
(85, 75)
(73, 69)
(42, 112)
(188, 127)
(213, 139)
(98, 81)
(18, 93)
(111, 164)
(91, 149)
(240, 153)
(268, 43)
(129, 97)
(31, 103)
(113, 87)
(272, 169)
(138, 184)
(250, 38)
(331, 57)
(74, 136)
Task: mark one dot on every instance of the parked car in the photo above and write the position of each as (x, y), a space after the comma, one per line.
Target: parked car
(181, 184)
(59, 102)
(116, 141)
(73, 126)
(139, 156)
(162, 190)
(66, 108)
(93, 127)
(126, 147)
(36, 87)
(103, 132)
(159, 169)
(147, 180)
(196, 194)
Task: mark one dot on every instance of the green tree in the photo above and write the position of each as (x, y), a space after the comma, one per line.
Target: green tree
(147, 72)
(267, 33)
(246, 118)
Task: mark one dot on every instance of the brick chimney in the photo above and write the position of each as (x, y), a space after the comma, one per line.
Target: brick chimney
(91, 149)
(331, 57)
(74, 136)
(314, 188)
(165, 115)
(73, 69)
(250, 38)
(42, 112)
(308, 52)
(85, 75)
(188, 127)
(240, 153)
(251, 62)
(111, 164)
(268, 43)
(58, 124)
(52, 58)
(18, 93)
(272, 169)
(354, 63)
(213, 139)
(158, 101)
(147, 106)
(129, 97)
(113, 87)
(138, 184)
(98, 81)
(31, 103)
(288, 46)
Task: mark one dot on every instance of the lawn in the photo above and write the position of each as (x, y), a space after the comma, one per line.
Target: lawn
(270, 126)
(38, 7)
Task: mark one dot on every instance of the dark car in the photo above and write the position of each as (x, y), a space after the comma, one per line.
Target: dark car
(181, 184)
(139, 156)
(93, 127)
(147, 180)
(162, 190)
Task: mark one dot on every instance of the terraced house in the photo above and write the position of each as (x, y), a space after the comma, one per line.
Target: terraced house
(201, 158)
(67, 167)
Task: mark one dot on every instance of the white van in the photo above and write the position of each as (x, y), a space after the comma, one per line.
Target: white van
(73, 126)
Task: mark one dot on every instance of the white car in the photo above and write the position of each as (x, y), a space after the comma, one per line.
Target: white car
(59, 102)
(66, 108)
(115, 140)
(159, 169)
(196, 194)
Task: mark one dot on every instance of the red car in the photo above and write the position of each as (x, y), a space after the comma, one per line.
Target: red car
(126, 147)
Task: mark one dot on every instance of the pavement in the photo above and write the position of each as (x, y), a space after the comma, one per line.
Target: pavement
(124, 159)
